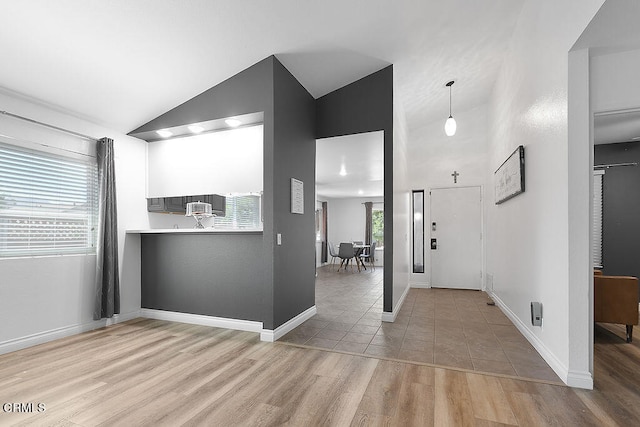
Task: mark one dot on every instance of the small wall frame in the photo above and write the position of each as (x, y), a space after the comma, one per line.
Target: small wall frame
(297, 196)
(509, 177)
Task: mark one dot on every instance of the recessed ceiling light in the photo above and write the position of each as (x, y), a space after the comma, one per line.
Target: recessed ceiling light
(360, 192)
(195, 128)
(343, 171)
(234, 123)
(164, 133)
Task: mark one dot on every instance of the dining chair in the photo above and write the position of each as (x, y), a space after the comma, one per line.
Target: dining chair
(369, 256)
(345, 253)
(332, 252)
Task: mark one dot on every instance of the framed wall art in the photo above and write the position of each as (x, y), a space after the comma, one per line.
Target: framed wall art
(509, 178)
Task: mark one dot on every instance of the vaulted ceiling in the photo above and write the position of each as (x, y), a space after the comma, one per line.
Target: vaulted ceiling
(121, 63)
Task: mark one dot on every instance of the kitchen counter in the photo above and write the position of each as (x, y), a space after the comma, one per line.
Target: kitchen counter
(210, 272)
(193, 231)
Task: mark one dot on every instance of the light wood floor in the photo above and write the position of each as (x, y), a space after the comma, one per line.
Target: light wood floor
(149, 372)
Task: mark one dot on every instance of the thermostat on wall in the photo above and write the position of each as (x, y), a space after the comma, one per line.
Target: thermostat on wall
(536, 313)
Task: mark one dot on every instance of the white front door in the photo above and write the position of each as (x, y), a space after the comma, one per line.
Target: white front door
(456, 238)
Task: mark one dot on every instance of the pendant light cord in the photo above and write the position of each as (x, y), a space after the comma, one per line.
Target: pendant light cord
(450, 84)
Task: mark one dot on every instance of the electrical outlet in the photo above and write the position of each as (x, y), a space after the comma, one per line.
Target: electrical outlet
(279, 239)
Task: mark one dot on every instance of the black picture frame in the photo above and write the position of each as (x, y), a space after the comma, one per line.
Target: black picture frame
(509, 177)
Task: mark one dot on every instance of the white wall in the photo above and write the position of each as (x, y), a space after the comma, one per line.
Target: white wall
(527, 237)
(346, 218)
(229, 161)
(48, 297)
(615, 81)
(433, 157)
(401, 208)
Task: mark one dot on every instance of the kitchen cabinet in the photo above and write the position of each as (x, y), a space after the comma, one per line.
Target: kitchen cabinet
(155, 204)
(175, 205)
(178, 204)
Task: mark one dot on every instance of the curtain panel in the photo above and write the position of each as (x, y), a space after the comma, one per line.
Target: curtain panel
(368, 229)
(107, 285)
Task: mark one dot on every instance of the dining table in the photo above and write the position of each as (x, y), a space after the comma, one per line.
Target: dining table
(358, 249)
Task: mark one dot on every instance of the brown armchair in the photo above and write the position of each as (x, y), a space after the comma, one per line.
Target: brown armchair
(616, 301)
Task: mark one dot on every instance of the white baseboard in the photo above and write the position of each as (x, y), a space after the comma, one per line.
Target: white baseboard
(199, 319)
(227, 323)
(66, 331)
(391, 316)
(421, 285)
(571, 378)
(280, 331)
(580, 380)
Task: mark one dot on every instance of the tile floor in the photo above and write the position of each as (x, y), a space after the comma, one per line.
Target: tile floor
(439, 326)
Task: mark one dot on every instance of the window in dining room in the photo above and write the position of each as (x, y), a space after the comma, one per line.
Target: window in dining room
(377, 226)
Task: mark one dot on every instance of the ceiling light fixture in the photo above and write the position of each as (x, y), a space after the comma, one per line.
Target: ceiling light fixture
(636, 138)
(450, 125)
(195, 128)
(164, 133)
(234, 123)
(343, 171)
(360, 192)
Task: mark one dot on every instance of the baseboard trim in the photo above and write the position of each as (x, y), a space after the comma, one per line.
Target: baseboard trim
(570, 378)
(580, 380)
(391, 316)
(66, 331)
(421, 285)
(203, 320)
(274, 335)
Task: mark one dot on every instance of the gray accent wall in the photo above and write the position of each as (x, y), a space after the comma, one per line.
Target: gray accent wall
(249, 91)
(621, 208)
(292, 122)
(212, 274)
(366, 106)
(289, 152)
(294, 156)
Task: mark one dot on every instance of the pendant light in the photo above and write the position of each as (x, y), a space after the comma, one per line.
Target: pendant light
(450, 125)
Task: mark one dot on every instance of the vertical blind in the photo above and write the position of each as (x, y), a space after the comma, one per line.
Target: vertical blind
(597, 218)
(48, 203)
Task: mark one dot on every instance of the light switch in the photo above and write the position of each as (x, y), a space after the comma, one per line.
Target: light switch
(279, 239)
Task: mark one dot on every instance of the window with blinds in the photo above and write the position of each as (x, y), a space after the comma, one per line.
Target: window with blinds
(597, 218)
(48, 203)
(242, 211)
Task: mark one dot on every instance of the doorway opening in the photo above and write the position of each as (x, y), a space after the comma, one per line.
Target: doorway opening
(350, 209)
(605, 100)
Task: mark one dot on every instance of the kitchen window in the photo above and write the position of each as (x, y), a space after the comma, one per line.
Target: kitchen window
(243, 211)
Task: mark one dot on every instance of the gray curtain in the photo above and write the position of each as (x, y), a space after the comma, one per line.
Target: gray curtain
(107, 286)
(368, 228)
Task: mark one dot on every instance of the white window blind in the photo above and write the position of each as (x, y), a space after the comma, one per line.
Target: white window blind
(597, 218)
(242, 211)
(48, 203)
